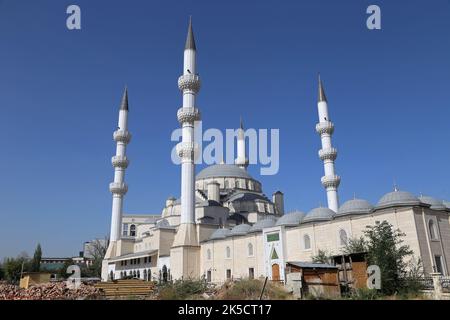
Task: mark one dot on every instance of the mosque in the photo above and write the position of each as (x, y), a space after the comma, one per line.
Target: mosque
(224, 226)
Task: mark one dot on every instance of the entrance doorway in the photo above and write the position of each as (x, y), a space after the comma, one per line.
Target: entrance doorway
(275, 272)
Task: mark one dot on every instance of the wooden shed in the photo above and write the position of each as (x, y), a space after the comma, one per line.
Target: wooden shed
(352, 270)
(317, 279)
(34, 278)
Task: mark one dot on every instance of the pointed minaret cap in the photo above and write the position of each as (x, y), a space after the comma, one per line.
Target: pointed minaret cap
(322, 96)
(124, 104)
(242, 123)
(190, 42)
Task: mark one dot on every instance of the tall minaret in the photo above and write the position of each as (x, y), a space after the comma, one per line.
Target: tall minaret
(185, 249)
(189, 84)
(327, 154)
(119, 188)
(241, 161)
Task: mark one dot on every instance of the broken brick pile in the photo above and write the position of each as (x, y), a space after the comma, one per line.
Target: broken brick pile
(49, 291)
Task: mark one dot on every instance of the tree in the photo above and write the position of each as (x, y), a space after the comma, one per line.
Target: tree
(97, 250)
(355, 245)
(13, 267)
(322, 256)
(385, 249)
(62, 272)
(2, 272)
(36, 262)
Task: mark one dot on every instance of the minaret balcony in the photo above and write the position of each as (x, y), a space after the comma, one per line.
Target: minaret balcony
(325, 127)
(120, 162)
(118, 188)
(187, 150)
(122, 136)
(328, 154)
(331, 181)
(189, 82)
(188, 115)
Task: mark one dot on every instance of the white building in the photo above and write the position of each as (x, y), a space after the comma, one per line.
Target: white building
(223, 225)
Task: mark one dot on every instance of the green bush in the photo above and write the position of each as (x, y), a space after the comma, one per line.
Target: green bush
(364, 294)
(182, 289)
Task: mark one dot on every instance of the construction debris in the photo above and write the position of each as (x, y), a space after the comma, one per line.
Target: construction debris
(49, 291)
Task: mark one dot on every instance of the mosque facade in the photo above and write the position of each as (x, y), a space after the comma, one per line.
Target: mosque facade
(224, 227)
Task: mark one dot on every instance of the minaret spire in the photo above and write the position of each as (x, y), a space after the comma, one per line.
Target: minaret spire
(241, 160)
(190, 41)
(327, 154)
(120, 162)
(322, 96)
(124, 104)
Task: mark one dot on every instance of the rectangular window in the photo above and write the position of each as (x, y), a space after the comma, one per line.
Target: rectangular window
(251, 273)
(273, 237)
(145, 260)
(208, 276)
(125, 229)
(149, 259)
(439, 267)
(228, 274)
(138, 260)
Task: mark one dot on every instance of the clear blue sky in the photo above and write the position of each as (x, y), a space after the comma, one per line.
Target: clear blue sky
(388, 95)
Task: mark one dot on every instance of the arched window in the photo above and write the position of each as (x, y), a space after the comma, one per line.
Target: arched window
(343, 239)
(208, 254)
(228, 252)
(145, 274)
(250, 249)
(133, 230)
(306, 242)
(227, 184)
(432, 229)
(139, 274)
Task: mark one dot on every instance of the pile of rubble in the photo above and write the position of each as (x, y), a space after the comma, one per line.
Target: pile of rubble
(49, 291)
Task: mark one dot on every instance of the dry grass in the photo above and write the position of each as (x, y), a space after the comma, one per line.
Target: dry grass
(251, 289)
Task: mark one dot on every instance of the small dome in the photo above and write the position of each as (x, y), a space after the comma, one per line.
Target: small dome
(398, 198)
(446, 204)
(240, 230)
(222, 170)
(163, 223)
(267, 222)
(319, 214)
(291, 219)
(355, 206)
(433, 202)
(220, 234)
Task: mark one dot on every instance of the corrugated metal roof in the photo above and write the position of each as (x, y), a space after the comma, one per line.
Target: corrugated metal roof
(302, 264)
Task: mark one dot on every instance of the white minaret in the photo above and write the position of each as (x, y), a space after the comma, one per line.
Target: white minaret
(241, 160)
(185, 250)
(189, 84)
(120, 161)
(327, 154)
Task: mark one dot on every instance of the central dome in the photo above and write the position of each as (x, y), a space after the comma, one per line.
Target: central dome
(223, 170)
